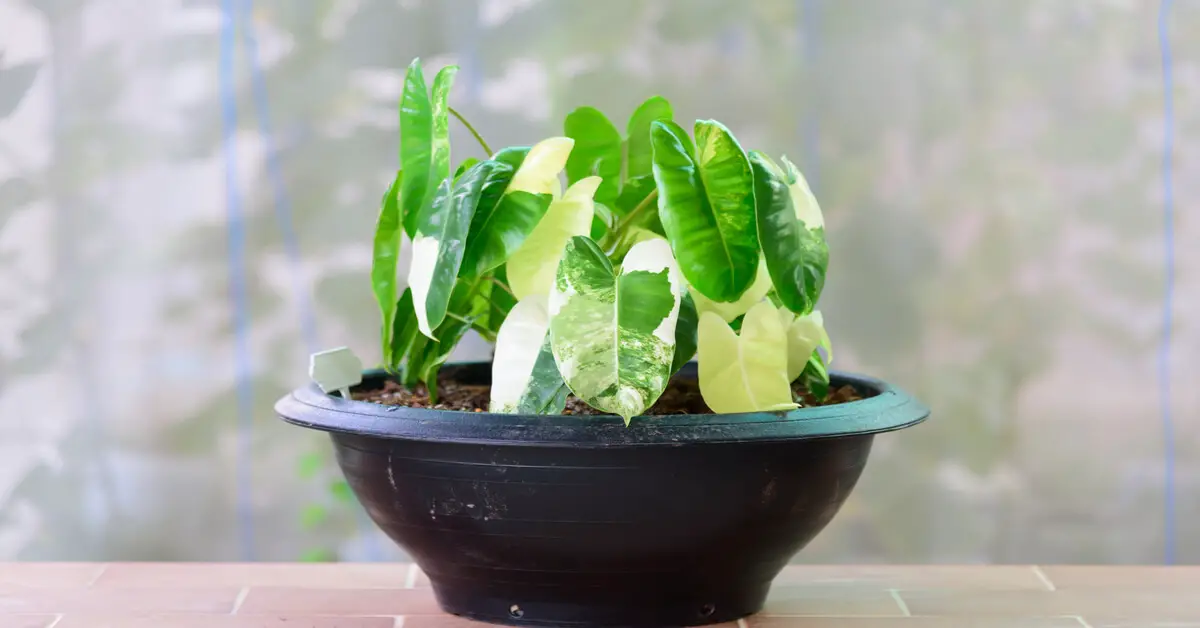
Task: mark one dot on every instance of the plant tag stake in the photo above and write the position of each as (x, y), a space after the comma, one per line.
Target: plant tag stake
(335, 369)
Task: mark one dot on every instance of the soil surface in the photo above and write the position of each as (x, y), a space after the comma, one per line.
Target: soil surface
(680, 397)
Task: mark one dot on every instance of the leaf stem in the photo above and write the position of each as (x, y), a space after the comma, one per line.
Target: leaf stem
(459, 318)
(619, 230)
(486, 149)
(502, 285)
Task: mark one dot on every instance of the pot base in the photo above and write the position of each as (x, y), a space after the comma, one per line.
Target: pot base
(606, 607)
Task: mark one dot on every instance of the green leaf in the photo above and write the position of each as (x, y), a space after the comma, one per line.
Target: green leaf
(685, 333)
(525, 378)
(804, 334)
(796, 256)
(613, 336)
(597, 151)
(341, 491)
(533, 266)
(388, 235)
(500, 228)
(468, 306)
(310, 464)
(815, 377)
(313, 516)
(632, 196)
(640, 155)
(747, 372)
(501, 302)
(464, 166)
(706, 204)
(438, 246)
(424, 140)
(404, 329)
(513, 156)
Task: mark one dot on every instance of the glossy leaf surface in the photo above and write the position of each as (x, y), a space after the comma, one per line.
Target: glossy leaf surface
(706, 204)
(500, 228)
(440, 241)
(389, 231)
(746, 372)
(686, 330)
(424, 139)
(795, 255)
(613, 336)
(525, 378)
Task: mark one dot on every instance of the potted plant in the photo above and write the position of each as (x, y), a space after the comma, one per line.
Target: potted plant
(592, 474)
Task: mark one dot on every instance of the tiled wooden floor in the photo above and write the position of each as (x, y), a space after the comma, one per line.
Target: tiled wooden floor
(154, 595)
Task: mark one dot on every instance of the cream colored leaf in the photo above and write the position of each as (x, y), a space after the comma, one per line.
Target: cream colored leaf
(532, 267)
(538, 174)
(804, 334)
(744, 373)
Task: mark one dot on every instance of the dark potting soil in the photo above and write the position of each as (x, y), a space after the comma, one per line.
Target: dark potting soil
(680, 397)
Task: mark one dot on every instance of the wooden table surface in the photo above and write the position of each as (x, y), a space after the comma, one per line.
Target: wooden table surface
(194, 595)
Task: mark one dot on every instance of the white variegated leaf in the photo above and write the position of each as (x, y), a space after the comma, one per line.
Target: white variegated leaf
(745, 373)
(613, 336)
(525, 378)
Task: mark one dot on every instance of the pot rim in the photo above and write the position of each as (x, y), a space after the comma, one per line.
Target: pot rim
(888, 409)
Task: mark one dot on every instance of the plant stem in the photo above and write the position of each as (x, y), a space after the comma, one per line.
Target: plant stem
(619, 230)
(486, 149)
(502, 285)
(459, 318)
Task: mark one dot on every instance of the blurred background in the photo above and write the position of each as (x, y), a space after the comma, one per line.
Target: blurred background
(991, 173)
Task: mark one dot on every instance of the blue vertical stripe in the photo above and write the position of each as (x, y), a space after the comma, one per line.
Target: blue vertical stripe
(236, 233)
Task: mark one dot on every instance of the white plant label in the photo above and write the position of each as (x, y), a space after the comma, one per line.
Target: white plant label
(335, 369)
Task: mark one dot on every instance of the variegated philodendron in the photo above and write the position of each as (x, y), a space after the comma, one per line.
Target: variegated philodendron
(665, 244)
(613, 334)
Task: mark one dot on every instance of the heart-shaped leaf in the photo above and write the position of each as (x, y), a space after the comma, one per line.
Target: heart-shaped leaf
(745, 373)
(386, 252)
(597, 151)
(525, 378)
(640, 161)
(533, 266)
(499, 228)
(706, 204)
(804, 334)
(613, 336)
(424, 139)
(796, 256)
(440, 240)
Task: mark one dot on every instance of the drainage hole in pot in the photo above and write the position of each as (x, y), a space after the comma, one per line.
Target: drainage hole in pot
(707, 610)
(515, 612)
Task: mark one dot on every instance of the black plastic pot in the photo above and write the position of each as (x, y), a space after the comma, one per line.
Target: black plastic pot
(581, 521)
